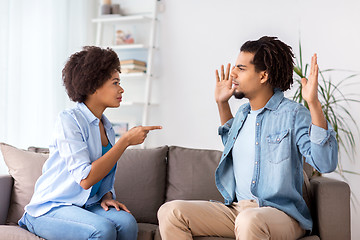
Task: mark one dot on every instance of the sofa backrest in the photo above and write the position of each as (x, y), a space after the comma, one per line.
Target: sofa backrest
(140, 182)
(191, 174)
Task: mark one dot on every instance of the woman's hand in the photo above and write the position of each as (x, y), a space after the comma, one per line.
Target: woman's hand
(138, 134)
(107, 202)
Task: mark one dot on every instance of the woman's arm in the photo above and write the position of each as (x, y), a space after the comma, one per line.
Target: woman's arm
(102, 166)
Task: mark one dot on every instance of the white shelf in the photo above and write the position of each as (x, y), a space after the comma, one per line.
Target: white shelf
(128, 46)
(139, 80)
(132, 75)
(122, 19)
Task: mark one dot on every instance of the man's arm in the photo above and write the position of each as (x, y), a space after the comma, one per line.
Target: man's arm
(223, 92)
(321, 151)
(310, 95)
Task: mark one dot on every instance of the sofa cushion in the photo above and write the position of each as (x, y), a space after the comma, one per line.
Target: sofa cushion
(16, 233)
(191, 174)
(146, 231)
(140, 182)
(25, 167)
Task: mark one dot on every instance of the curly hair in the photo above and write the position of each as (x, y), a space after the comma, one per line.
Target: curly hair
(274, 57)
(87, 70)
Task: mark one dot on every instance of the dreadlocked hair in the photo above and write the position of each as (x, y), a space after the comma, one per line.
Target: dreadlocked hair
(274, 57)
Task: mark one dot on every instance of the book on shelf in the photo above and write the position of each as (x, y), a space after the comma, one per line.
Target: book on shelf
(132, 70)
(133, 66)
(133, 61)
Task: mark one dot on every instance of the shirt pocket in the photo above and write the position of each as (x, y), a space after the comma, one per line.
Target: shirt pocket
(278, 147)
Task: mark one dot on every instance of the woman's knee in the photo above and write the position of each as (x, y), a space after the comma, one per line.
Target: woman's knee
(127, 228)
(104, 230)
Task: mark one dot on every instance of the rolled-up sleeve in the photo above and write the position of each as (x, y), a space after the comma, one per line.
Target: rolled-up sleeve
(317, 145)
(319, 135)
(72, 147)
(224, 130)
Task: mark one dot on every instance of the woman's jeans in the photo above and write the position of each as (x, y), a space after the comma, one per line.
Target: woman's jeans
(72, 222)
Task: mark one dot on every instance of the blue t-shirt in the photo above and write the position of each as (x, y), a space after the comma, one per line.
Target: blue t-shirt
(95, 188)
(244, 157)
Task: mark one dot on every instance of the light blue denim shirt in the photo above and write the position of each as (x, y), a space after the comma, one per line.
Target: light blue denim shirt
(76, 144)
(284, 134)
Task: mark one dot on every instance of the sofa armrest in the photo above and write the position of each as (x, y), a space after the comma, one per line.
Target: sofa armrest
(6, 183)
(331, 205)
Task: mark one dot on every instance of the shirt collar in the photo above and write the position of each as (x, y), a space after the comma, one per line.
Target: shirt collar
(272, 104)
(91, 118)
(275, 100)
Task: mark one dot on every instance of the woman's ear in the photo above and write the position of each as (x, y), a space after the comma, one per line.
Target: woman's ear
(264, 77)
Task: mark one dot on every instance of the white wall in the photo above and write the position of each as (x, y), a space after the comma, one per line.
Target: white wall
(196, 37)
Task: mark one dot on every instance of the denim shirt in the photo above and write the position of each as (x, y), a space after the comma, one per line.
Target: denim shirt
(283, 134)
(76, 144)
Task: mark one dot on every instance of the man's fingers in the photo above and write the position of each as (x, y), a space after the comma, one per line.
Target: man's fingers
(313, 64)
(303, 81)
(222, 72)
(228, 71)
(149, 128)
(217, 76)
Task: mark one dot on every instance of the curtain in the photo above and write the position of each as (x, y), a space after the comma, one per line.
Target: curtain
(36, 38)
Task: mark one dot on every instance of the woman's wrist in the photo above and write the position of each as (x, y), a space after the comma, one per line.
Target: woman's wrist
(107, 196)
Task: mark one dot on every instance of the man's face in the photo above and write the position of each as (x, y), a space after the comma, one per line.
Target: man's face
(244, 77)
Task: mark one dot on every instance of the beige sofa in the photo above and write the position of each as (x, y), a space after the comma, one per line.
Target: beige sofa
(147, 178)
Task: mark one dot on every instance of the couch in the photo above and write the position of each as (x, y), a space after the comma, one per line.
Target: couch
(147, 178)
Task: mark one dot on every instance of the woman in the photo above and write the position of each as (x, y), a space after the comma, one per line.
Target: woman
(74, 198)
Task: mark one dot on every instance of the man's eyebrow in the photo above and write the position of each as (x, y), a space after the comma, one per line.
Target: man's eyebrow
(118, 79)
(240, 65)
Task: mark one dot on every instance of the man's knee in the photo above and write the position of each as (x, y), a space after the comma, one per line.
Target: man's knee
(249, 220)
(171, 211)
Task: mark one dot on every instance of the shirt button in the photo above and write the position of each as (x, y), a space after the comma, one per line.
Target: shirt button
(278, 139)
(253, 182)
(257, 143)
(257, 124)
(255, 162)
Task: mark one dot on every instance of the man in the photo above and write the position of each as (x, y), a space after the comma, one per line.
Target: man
(260, 173)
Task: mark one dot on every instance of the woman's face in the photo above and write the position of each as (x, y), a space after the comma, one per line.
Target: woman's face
(110, 93)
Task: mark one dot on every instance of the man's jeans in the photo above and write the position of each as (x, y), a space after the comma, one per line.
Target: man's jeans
(72, 222)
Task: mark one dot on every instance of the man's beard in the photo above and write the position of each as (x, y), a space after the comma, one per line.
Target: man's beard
(239, 95)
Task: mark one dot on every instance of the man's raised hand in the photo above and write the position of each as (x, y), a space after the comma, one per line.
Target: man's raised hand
(310, 85)
(223, 89)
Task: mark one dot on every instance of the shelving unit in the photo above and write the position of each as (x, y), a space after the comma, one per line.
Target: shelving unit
(149, 20)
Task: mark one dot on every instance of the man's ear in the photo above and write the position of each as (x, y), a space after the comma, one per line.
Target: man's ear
(264, 77)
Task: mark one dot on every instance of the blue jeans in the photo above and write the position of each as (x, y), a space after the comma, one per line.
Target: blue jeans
(72, 222)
